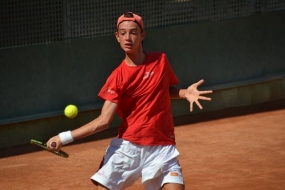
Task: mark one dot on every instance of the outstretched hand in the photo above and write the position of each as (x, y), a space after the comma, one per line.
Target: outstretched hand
(193, 95)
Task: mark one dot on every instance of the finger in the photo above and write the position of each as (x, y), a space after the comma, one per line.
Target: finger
(200, 82)
(191, 106)
(206, 92)
(199, 105)
(48, 145)
(51, 145)
(205, 98)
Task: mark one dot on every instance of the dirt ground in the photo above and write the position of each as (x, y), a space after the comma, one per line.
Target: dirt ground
(237, 152)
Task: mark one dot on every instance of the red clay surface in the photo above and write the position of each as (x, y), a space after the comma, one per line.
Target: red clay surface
(245, 152)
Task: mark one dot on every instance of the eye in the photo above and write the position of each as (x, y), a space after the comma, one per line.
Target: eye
(135, 31)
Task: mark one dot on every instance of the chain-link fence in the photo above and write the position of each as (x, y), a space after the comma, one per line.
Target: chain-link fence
(26, 22)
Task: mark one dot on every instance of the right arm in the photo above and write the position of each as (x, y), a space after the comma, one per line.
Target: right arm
(102, 122)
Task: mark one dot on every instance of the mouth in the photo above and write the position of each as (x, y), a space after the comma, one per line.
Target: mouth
(128, 45)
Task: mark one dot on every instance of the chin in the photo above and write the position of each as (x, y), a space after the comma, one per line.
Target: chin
(128, 50)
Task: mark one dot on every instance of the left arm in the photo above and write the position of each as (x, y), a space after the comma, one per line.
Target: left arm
(191, 94)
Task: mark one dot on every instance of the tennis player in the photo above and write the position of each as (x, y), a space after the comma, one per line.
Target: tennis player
(139, 90)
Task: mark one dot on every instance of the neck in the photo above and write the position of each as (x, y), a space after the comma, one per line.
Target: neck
(134, 59)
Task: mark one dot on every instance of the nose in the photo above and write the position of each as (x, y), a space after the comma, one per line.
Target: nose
(128, 36)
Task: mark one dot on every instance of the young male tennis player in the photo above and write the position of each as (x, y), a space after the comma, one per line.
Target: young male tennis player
(139, 90)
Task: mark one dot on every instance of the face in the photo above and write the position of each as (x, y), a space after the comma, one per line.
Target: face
(130, 36)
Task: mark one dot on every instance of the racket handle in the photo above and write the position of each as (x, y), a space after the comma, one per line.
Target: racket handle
(53, 144)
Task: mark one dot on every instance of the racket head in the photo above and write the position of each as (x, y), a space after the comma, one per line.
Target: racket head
(44, 146)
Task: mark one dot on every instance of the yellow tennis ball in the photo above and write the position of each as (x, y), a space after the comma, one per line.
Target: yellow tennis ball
(70, 111)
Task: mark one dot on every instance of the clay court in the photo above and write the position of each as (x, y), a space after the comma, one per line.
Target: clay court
(236, 152)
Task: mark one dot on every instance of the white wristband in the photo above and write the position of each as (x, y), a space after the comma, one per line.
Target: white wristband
(65, 137)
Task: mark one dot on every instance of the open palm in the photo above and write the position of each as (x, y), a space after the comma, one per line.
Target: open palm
(193, 94)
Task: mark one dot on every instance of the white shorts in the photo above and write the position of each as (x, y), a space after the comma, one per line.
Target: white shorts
(125, 162)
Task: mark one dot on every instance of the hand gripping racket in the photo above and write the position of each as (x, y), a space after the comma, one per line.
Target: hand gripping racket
(44, 146)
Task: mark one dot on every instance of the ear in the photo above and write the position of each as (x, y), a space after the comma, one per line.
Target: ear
(117, 36)
(143, 34)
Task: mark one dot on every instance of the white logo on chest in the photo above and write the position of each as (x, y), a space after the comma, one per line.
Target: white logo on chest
(148, 74)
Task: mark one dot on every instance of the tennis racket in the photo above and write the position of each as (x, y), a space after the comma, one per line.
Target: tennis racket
(44, 146)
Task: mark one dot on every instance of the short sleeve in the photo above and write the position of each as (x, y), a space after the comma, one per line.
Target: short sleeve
(110, 90)
(173, 80)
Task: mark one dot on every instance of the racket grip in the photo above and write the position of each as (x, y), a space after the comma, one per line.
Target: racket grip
(53, 144)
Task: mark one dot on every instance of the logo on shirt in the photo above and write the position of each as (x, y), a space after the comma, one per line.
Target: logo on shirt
(148, 74)
(110, 90)
(174, 174)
